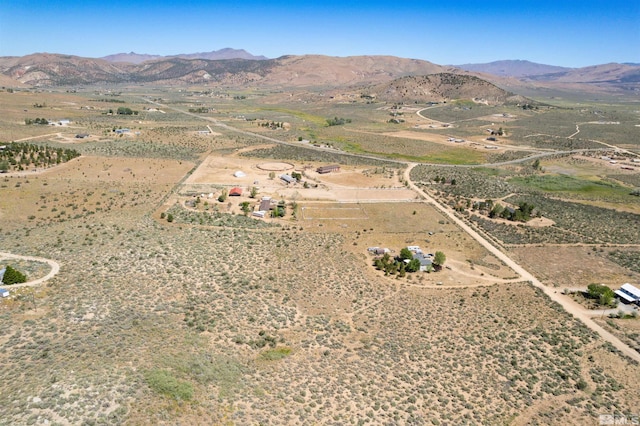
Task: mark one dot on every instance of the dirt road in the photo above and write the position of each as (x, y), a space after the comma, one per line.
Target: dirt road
(577, 312)
(55, 268)
(526, 276)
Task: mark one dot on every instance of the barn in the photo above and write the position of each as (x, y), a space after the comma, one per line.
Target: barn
(328, 169)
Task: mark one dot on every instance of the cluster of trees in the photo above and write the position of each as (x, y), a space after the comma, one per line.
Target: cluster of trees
(42, 121)
(602, 294)
(405, 262)
(199, 110)
(443, 179)
(520, 214)
(19, 156)
(126, 111)
(272, 125)
(13, 276)
(337, 121)
(279, 210)
(391, 265)
(118, 101)
(169, 216)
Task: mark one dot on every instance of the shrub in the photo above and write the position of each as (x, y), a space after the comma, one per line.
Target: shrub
(603, 294)
(275, 354)
(163, 382)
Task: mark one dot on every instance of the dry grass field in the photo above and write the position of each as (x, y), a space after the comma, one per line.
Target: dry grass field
(218, 318)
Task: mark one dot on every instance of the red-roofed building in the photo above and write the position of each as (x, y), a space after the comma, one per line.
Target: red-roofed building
(235, 192)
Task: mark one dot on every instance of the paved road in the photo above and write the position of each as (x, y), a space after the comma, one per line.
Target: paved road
(581, 314)
(55, 268)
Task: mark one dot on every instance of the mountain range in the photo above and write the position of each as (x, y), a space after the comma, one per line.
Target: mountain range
(226, 53)
(238, 68)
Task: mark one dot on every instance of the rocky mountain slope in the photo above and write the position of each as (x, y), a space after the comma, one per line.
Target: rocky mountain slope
(441, 87)
(310, 70)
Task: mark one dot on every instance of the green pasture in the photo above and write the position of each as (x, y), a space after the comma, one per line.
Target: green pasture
(592, 188)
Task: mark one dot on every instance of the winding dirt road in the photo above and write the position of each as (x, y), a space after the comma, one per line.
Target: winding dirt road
(55, 268)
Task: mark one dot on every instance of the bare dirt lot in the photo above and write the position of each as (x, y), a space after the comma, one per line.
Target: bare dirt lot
(350, 184)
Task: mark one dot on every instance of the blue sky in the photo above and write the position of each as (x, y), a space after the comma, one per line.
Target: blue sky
(561, 32)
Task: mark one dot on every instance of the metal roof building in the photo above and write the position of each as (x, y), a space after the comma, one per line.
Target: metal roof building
(629, 293)
(288, 179)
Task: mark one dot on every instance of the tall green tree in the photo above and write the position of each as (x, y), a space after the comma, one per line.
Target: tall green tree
(405, 253)
(439, 259)
(413, 266)
(13, 276)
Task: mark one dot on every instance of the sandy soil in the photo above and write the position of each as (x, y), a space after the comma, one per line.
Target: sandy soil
(350, 184)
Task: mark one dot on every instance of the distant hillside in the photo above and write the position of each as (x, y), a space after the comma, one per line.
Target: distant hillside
(131, 58)
(48, 69)
(318, 70)
(44, 69)
(513, 68)
(606, 73)
(441, 87)
(619, 79)
(227, 53)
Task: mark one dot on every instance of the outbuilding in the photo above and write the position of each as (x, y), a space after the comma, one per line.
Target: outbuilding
(328, 169)
(288, 179)
(4, 292)
(629, 293)
(265, 204)
(235, 192)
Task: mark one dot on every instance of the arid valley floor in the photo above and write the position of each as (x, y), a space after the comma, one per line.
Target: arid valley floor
(172, 306)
